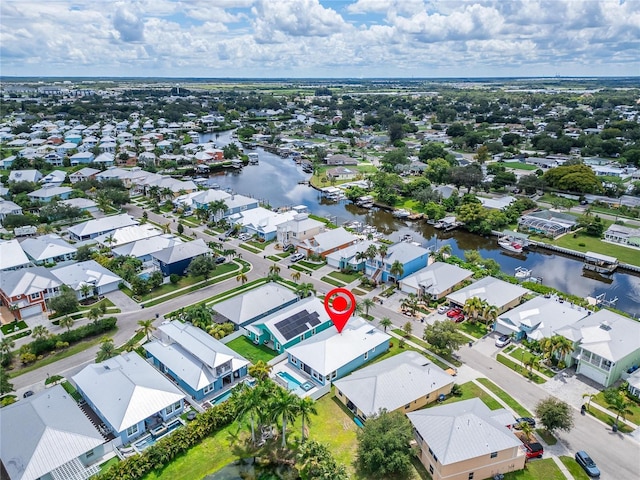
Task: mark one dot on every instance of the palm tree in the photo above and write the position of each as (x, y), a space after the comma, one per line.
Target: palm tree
(274, 272)
(66, 322)
(107, 350)
(305, 289)
(371, 252)
(562, 346)
(618, 403)
(442, 253)
(94, 314)
(295, 276)
(490, 314)
(396, 269)
(166, 193)
(6, 344)
(154, 191)
(85, 290)
(146, 327)
(242, 277)
(248, 401)
(385, 323)
(306, 407)
(589, 397)
(39, 331)
(382, 251)
(260, 370)
(367, 303)
(526, 429)
(284, 405)
(472, 307)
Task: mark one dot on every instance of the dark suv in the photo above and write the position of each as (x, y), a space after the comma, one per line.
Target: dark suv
(589, 466)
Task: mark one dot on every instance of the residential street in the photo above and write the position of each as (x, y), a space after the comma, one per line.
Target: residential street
(617, 455)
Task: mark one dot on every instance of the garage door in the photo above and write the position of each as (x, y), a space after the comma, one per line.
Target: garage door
(30, 311)
(592, 373)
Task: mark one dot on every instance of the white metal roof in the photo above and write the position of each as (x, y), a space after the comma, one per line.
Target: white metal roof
(46, 246)
(101, 225)
(393, 382)
(126, 389)
(333, 238)
(90, 271)
(147, 246)
(255, 302)
(43, 432)
(12, 255)
(493, 291)
(437, 278)
(182, 251)
(129, 234)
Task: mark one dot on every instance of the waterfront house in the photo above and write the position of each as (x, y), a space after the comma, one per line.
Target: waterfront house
(466, 440)
(257, 303)
(290, 325)
(411, 257)
(405, 382)
(298, 229)
(435, 281)
(260, 222)
(12, 257)
(547, 223)
(201, 365)
(329, 355)
(327, 242)
(100, 226)
(346, 258)
(539, 318)
(48, 249)
(623, 235)
(26, 291)
(90, 272)
(47, 436)
(176, 258)
(606, 345)
(129, 395)
(500, 294)
(341, 173)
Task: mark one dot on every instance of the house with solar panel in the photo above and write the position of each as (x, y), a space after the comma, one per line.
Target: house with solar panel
(289, 326)
(200, 365)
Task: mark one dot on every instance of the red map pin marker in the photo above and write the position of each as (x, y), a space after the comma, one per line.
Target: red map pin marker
(339, 304)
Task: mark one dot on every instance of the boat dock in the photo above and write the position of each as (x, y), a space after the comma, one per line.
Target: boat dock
(447, 224)
(600, 263)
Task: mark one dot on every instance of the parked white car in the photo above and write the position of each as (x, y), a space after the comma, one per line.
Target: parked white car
(244, 237)
(296, 257)
(443, 308)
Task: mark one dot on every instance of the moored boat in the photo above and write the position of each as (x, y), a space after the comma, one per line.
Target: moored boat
(510, 244)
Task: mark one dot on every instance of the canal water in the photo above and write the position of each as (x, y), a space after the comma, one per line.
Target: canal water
(275, 181)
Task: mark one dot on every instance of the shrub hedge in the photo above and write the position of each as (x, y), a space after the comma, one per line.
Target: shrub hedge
(45, 345)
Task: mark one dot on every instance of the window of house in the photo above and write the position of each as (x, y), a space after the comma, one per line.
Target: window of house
(407, 406)
(89, 454)
(277, 346)
(334, 374)
(494, 454)
(294, 360)
(207, 389)
(366, 355)
(431, 469)
(132, 430)
(430, 452)
(470, 475)
(34, 296)
(301, 337)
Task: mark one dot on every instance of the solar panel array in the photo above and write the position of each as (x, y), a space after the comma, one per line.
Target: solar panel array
(297, 324)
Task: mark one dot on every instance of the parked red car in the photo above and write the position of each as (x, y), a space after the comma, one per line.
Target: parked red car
(458, 317)
(453, 312)
(533, 450)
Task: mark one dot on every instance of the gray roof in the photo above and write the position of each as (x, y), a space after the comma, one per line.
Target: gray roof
(104, 224)
(541, 317)
(493, 291)
(464, 430)
(333, 238)
(437, 278)
(404, 253)
(193, 354)
(27, 281)
(12, 255)
(90, 271)
(126, 389)
(329, 350)
(182, 251)
(146, 246)
(393, 382)
(43, 432)
(605, 333)
(49, 191)
(255, 302)
(46, 246)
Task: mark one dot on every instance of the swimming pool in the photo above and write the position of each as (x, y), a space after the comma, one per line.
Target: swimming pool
(293, 383)
(148, 440)
(222, 398)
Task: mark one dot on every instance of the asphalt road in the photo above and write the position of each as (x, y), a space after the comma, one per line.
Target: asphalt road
(617, 455)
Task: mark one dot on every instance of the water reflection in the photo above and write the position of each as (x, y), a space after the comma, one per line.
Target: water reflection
(275, 180)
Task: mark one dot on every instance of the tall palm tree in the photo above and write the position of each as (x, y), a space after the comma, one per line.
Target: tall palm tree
(385, 323)
(367, 303)
(242, 277)
(107, 350)
(146, 327)
(526, 429)
(618, 403)
(382, 251)
(371, 252)
(562, 346)
(274, 271)
(85, 290)
(295, 276)
(284, 405)
(166, 193)
(94, 314)
(443, 252)
(472, 307)
(154, 192)
(396, 269)
(66, 322)
(490, 314)
(6, 344)
(589, 397)
(260, 370)
(305, 289)
(306, 407)
(39, 331)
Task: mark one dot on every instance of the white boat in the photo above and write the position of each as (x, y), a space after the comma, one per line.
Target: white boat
(401, 213)
(253, 158)
(510, 244)
(522, 272)
(407, 238)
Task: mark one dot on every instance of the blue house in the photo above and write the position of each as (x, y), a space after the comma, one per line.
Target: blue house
(176, 258)
(201, 365)
(291, 325)
(330, 355)
(82, 158)
(48, 192)
(411, 257)
(130, 396)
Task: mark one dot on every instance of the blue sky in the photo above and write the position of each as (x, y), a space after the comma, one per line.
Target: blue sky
(320, 38)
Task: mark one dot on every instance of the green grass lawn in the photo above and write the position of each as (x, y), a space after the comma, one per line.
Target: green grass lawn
(519, 369)
(575, 470)
(609, 420)
(250, 350)
(311, 265)
(250, 248)
(471, 390)
(546, 436)
(523, 355)
(332, 281)
(593, 244)
(505, 397)
(345, 277)
(520, 166)
(545, 469)
(634, 417)
(394, 349)
(477, 330)
(13, 327)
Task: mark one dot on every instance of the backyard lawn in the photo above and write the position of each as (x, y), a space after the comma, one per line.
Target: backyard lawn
(593, 244)
(250, 350)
